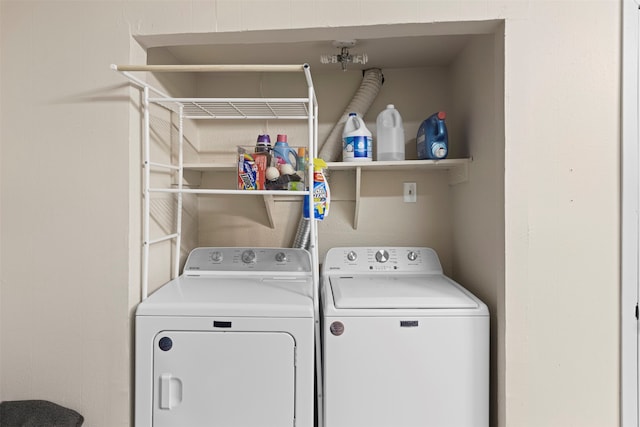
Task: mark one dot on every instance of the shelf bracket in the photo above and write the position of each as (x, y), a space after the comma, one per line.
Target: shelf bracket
(269, 203)
(356, 213)
(459, 173)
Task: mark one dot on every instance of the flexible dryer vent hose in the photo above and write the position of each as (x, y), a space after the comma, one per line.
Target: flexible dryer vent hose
(331, 148)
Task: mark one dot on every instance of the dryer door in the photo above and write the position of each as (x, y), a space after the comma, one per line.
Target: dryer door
(223, 378)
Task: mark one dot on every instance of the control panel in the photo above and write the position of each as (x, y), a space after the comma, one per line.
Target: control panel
(383, 259)
(210, 260)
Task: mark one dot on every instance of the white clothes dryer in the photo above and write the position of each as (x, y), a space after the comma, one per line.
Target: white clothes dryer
(402, 344)
(229, 343)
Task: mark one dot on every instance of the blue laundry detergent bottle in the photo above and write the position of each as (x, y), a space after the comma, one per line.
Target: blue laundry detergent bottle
(432, 141)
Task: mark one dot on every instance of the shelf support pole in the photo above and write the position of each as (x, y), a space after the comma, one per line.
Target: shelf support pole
(312, 125)
(176, 266)
(146, 195)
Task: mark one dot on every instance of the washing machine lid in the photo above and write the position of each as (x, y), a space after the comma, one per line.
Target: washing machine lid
(404, 292)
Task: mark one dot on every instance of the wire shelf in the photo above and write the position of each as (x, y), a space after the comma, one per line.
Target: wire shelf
(237, 108)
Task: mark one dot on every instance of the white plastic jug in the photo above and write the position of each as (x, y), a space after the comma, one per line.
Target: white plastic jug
(390, 135)
(357, 142)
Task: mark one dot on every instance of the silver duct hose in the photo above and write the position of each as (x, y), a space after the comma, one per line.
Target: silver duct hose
(331, 148)
(303, 234)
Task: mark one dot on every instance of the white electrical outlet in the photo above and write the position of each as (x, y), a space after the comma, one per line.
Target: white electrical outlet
(410, 189)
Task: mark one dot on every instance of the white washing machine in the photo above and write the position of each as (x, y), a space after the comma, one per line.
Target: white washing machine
(402, 344)
(228, 343)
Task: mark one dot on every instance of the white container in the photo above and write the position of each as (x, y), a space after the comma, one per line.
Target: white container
(357, 142)
(390, 135)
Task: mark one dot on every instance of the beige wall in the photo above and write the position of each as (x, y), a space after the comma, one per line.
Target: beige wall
(562, 199)
(69, 208)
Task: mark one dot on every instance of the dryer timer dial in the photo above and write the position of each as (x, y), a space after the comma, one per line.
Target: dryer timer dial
(382, 256)
(248, 257)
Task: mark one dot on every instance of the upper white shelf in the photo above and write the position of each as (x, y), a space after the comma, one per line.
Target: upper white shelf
(228, 108)
(447, 164)
(237, 108)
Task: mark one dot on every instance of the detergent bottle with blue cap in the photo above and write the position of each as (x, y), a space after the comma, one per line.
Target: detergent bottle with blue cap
(357, 142)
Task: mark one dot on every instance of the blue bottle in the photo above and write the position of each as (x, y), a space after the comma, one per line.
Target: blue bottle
(432, 141)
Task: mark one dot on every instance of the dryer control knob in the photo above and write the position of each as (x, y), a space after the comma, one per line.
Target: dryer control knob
(216, 256)
(382, 256)
(352, 256)
(281, 257)
(412, 255)
(248, 257)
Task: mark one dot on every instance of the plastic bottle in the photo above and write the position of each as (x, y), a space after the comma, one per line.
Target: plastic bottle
(432, 141)
(263, 149)
(283, 154)
(321, 192)
(357, 142)
(263, 144)
(301, 166)
(389, 135)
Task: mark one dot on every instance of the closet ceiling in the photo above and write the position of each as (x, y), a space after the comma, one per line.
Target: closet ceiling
(387, 46)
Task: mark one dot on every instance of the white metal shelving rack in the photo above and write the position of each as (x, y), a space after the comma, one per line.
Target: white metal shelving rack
(303, 108)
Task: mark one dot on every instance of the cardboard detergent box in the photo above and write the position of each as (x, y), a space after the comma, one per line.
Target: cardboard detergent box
(252, 169)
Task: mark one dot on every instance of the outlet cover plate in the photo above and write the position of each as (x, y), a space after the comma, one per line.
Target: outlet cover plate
(409, 191)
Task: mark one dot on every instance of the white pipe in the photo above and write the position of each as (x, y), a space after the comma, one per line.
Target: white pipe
(313, 240)
(207, 68)
(146, 206)
(176, 267)
(331, 148)
(235, 192)
(140, 83)
(163, 165)
(307, 75)
(163, 239)
(230, 101)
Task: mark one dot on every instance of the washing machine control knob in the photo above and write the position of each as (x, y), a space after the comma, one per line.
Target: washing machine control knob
(412, 255)
(352, 256)
(248, 256)
(216, 256)
(281, 257)
(382, 256)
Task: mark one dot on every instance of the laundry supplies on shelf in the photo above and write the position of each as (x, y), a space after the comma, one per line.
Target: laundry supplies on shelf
(432, 141)
(389, 135)
(357, 142)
